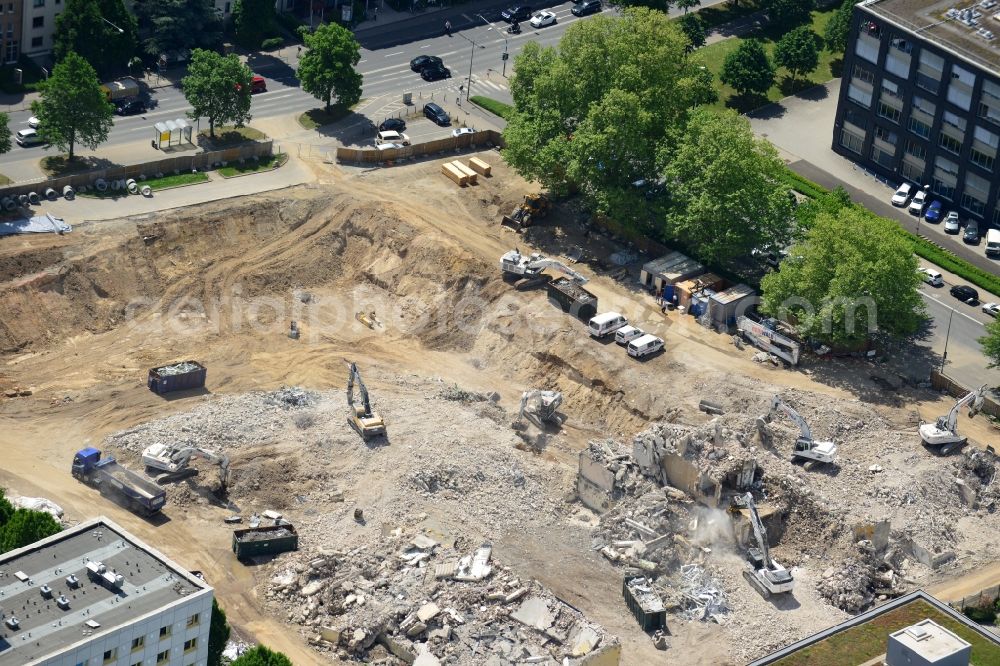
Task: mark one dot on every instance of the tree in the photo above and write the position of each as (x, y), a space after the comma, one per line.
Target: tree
(726, 193)
(748, 69)
(694, 29)
(253, 20)
(26, 527)
(84, 27)
(5, 142)
(687, 5)
(6, 509)
(837, 29)
(73, 109)
(787, 14)
(854, 274)
(991, 343)
(178, 25)
(593, 112)
(327, 68)
(218, 635)
(830, 202)
(796, 51)
(262, 656)
(218, 88)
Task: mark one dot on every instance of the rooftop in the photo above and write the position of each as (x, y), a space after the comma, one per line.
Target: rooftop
(975, 36)
(59, 595)
(929, 640)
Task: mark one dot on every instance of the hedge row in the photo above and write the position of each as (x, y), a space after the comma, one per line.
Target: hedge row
(494, 106)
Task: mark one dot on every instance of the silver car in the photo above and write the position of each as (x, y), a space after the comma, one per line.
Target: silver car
(952, 223)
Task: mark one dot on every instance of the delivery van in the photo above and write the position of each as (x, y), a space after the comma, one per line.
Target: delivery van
(993, 243)
(606, 323)
(644, 346)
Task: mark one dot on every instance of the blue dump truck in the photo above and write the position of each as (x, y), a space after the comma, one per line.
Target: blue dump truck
(118, 483)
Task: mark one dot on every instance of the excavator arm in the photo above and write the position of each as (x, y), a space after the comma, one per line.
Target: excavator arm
(541, 264)
(778, 404)
(760, 535)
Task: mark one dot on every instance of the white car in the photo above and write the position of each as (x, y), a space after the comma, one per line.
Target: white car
(33, 122)
(387, 146)
(992, 309)
(389, 136)
(902, 195)
(918, 203)
(951, 223)
(27, 137)
(459, 131)
(931, 277)
(542, 19)
(627, 334)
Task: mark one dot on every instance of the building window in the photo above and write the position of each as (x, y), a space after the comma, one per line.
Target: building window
(190, 644)
(882, 156)
(110, 655)
(929, 71)
(10, 30)
(952, 134)
(888, 112)
(911, 171)
(897, 60)
(859, 95)
(851, 141)
(921, 117)
(975, 194)
(864, 75)
(945, 178)
(38, 22)
(36, 42)
(890, 104)
(984, 148)
(10, 7)
(163, 657)
(138, 643)
(228, 7)
(989, 102)
(194, 620)
(949, 143)
(960, 87)
(12, 53)
(138, 663)
(164, 631)
(996, 215)
(39, 3)
(869, 39)
(916, 149)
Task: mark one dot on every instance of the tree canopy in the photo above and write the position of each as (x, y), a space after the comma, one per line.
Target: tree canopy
(73, 108)
(787, 14)
(797, 52)
(748, 69)
(327, 68)
(179, 25)
(725, 193)
(854, 274)
(218, 634)
(218, 88)
(694, 29)
(20, 527)
(837, 29)
(84, 27)
(5, 142)
(991, 344)
(253, 21)
(262, 656)
(595, 112)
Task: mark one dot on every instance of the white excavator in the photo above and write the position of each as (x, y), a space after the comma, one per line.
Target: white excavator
(762, 572)
(530, 269)
(361, 417)
(944, 432)
(806, 448)
(172, 463)
(540, 407)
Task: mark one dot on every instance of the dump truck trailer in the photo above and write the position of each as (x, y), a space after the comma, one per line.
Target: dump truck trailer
(176, 377)
(116, 482)
(271, 540)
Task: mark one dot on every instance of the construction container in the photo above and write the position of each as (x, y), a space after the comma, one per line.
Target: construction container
(571, 298)
(257, 541)
(176, 377)
(480, 167)
(470, 174)
(684, 290)
(667, 271)
(726, 306)
(699, 302)
(645, 604)
(455, 174)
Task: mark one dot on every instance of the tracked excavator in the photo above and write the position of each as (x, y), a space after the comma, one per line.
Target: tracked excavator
(540, 407)
(530, 269)
(173, 462)
(762, 572)
(806, 448)
(361, 417)
(944, 432)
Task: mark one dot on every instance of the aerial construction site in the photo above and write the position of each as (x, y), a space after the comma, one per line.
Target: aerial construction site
(428, 413)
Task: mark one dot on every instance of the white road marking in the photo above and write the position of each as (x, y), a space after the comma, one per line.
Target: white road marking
(389, 55)
(961, 314)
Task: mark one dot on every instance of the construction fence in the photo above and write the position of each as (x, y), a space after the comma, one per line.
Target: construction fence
(168, 165)
(984, 597)
(945, 383)
(473, 141)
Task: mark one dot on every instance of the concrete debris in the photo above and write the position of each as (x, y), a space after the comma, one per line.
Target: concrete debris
(704, 598)
(457, 394)
(235, 649)
(534, 613)
(292, 396)
(177, 369)
(607, 472)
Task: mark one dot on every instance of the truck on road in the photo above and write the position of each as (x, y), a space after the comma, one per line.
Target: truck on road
(116, 482)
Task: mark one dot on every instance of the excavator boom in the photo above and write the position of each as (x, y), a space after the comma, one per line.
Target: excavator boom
(361, 417)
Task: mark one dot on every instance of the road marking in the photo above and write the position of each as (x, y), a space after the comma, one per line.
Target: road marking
(361, 61)
(389, 55)
(961, 314)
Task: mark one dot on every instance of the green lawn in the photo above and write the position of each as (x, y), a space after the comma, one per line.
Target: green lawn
(494, 106)
(4, 180)
(867, 641)
(314, 118)
(227, 135)
(713, 56)
(173, 180)
(252, 166)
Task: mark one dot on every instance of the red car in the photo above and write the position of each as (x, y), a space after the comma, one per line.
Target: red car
(258, 85)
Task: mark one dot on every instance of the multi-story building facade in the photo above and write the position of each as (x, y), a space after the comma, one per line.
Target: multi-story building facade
(920, 98)
(94, 595)
(38, 26)
(10, 31)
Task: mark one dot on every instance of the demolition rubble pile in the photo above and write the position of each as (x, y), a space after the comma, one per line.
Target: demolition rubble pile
(410, 598)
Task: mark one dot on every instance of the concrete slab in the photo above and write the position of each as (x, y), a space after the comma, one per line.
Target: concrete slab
(534, 612)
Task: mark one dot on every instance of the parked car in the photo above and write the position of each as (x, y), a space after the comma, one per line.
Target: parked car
(965, 293)
(992, 309)
(952, 225)
(393, 124)
(971, 234)
(436, 114)
(902, 195)
(586, 7)
(435, 73)
(644, 346)
(28, 137)
(918, 202)
(931, 277)
(131, 108)
(421, 61)
(542, 19)
(459, 131)
(258, 84)
(627, 334)
(33, 122)
(516, 13)
(934, 211)
(391, 136)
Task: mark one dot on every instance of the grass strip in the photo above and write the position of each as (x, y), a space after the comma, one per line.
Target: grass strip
(494, 106)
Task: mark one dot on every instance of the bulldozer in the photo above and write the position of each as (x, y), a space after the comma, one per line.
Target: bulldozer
(522, 217)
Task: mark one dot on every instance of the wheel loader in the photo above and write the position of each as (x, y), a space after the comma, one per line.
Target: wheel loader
(522, 217)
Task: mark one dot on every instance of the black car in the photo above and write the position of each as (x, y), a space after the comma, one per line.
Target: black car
(965, 293)
(435, 73)
(392, 125)
(971, 234)
(422, 61)
(436, 114)
(516, 13)
(131, 108)
(586, 7)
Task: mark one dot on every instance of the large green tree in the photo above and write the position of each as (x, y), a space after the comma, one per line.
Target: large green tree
(594, 112)
(797, 52)
(73, 109)
(725, 189)
(178, 25)
(26, 527)
(218, 88)
(253, 21)
(5, 143)
(837, 29)
(748, 69)
(854, 274)
(991, 343)
(694, 29)
(327, 68)
(218, 635)
(787, 14)
(85, 27)
(262, 656)
(6, 508)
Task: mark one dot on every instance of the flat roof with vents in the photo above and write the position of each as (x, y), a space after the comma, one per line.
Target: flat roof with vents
(929, 640)
(97, 577)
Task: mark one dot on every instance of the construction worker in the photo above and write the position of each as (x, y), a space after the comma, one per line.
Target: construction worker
(447, 28)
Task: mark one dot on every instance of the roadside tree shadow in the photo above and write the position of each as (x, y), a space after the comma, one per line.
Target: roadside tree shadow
(276, 68)
(746, 103)
(769, 112)
(802, 88)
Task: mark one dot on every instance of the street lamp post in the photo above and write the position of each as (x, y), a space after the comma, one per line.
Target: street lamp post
(120, 31)
(504, 57)
(944, 357)
(472, 53)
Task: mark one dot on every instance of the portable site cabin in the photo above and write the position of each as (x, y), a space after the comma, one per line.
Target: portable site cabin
(684, 290)
(667, 271)
(726, 306)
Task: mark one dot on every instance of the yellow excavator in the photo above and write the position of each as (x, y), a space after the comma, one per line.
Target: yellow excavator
(361, 417)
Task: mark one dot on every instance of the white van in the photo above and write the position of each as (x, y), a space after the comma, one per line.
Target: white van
(993, 243)
(627, 334)
(606, 323)
(644, 346)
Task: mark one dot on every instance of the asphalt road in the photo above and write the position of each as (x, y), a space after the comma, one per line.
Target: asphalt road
(965, 362)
